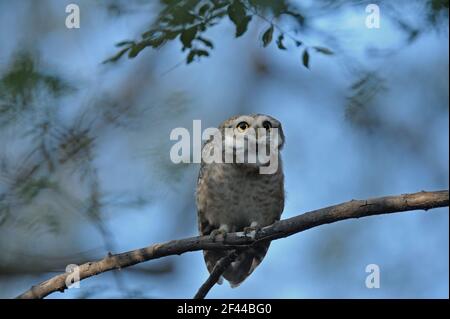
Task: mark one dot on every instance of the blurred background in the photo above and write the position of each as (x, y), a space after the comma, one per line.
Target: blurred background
(84, 145)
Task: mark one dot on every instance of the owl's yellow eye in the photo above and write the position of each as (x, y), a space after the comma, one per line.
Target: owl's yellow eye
(242, 126)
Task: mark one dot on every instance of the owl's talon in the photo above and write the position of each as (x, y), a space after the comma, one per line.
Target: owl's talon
(252, 230)
(217, 232)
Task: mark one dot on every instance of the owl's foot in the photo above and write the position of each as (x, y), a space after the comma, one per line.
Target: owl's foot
(218, 232)
(252, 230)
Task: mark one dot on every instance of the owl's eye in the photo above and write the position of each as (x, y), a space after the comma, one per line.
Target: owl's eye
(242, 126)
(267, 125)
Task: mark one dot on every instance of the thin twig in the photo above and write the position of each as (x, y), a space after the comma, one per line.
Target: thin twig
(214, 277)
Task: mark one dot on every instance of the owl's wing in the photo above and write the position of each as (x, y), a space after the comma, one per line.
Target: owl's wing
(201, 194)
(204, 226)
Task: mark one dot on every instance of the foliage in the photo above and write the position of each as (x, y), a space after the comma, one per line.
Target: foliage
(20, 85)
(189, 20)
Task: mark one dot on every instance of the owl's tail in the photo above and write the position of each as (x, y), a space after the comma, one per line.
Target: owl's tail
(242, 267)
(245, 264)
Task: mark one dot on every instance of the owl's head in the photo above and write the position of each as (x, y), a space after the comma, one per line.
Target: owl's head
(250, 125)
(257, 135)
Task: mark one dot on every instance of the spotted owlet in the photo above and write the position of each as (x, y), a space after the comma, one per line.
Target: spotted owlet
(237, 195)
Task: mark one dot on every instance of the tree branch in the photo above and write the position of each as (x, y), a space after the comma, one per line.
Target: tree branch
(218, 270)
(352, 209)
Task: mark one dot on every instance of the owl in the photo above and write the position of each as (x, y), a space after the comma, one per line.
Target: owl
(235, 195)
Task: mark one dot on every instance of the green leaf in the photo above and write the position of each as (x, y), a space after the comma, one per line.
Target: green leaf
(219, 4)
(280, 42)
(190, 57)
(202, 53)
(21, 81)
(324, 50)
(135, 49)
(123, 43)
(236, 11)
(156, 43)
(187, 36)
(170, 35)
(202, 27)
(193, 53)
(243, 26)
(237, 14)
(203, 9)
(116, 57)
(148, 34)
(206, 42)
(305, 59)
(267, 36)
(181, 14)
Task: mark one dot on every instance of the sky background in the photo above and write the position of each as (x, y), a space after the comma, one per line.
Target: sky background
(389, 137)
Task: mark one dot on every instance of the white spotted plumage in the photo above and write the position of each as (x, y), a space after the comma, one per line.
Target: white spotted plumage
(232, 197)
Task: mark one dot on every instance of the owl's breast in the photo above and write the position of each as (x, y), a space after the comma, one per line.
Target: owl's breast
(227, 195)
